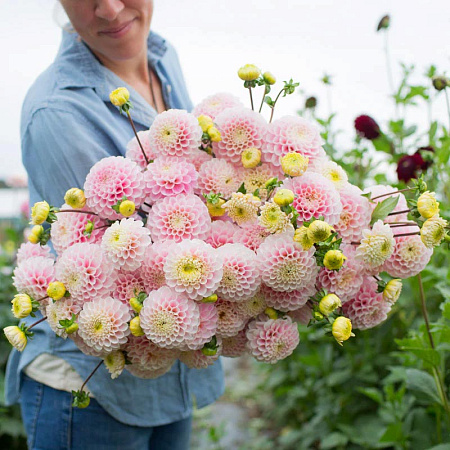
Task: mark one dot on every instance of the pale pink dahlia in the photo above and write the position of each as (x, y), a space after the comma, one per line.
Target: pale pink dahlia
(301, 315)
(124, 243)
(175, 133)
(221, 233)
(402, 205)
(219, 177)
(254, 305)
(134, 151)
(355, 215)
(152, 268)
(29, 250)
(285, 266)
(128, 285)
(410, 256)
(86, 349)
(368, 308)
(256, 178)
(33, 276)
(198, 157)
(109, 181)
(251, 235)
(291, 134)
(241, 278)
(231, 319)
(213, 105)
(169, 318)
(148, 374)
(178, 218)
(167, 177)
(272, 340)
(69, 228)
(194, 268)
(196, 359)
(288, 300)
(240, 128)
(315, 196)
(330, 170)
(86, 272)
(235, 346)
(207, 327)
(61, 310)
(103, 324)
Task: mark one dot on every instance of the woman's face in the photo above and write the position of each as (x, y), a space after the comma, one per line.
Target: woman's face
(113, 29)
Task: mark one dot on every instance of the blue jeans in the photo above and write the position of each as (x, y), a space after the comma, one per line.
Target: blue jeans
(52, 424)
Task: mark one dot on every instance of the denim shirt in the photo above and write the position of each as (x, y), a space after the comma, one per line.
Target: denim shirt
(67, 125)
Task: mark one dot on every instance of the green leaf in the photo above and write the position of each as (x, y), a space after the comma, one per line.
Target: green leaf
(383, 208)
(440, 447)
(393, 433)
(372, 393)
(420, 381)
(334, 440)
(383, 144)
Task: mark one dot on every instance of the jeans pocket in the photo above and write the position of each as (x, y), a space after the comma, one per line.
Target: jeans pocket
(31, 393)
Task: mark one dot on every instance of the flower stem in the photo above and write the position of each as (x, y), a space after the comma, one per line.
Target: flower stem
(251, 97)
(274, 103)
(448, 105)
(400, 225)
(90, 375)
(77, 211)
(393, 193)
(406, 234)
(42, 298)
(36, 323)
(262, 100)
(137, 137)
(399, 212)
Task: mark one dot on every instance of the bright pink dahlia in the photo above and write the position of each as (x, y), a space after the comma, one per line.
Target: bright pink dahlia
(235, 346)
(221, 233)
(134, 151)
(285, 266)
(109, 181)
(402, 205)
(272, 340)
(240, 128)
(219, 177)
(152, 268)
(124, 243)
(291, 134)
(315, 196)
(196, 359)
(301, 315)
(128, 285)
(207, 327)
(368, 308)
(69, 228)
(213, 105)
(288, 300)
(61, 310)
(167, 177)
(410, 256)
(86, 272)
(231, 319)
(103, 324)
(193, 268)
(251, 235)
(241, 278)
(178, 218)
(175, 133)
(198, 157)
(169, 318)
(29, 250)
(33, 276)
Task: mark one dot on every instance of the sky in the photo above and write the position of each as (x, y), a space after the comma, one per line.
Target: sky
(296, 39)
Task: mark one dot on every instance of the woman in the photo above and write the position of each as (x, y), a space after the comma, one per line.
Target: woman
(68, 124)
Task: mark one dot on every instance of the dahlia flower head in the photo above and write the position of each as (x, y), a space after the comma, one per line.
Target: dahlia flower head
(368, 308)
(134, 151)
(315, 196)
(331, 171)
(194, 269)
(235, 346)
(152, 268)
(196, 359)
(251, 235)
(175, 133)
(128, 285)
(221, 233)
(61, 310)
(291, 134)
(254, 305)
(257, 177)
(178, 218)
(287, 300)
(111, 179)
(207, 327)
(198, 157)
(301, 315)
(240, 129)
(272, 340)
(231, 319)
(28, 250)
(214, 104)
(381, 189)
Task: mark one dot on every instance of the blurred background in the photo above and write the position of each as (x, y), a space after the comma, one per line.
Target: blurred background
(379, 391)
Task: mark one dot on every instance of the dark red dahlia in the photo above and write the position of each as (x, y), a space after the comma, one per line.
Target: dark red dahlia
(408, 166)
(367, 127)
(426, 157)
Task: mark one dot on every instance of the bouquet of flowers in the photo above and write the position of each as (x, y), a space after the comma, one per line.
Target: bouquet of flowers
(215, 235)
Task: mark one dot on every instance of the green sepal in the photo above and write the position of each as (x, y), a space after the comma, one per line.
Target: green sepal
(80, 399)
(116, 207)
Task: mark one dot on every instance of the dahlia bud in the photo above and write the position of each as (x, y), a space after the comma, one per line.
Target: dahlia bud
(284, 197)
(269, 78)
(317, 315)
(135, 327)
(80, 399)
(215, 209)
(271, 313)
(271, 183)
(205, 122)
(16, 337)
(211, 299)
(88, 228)
(433, 231)
(56, 290)
(208, 351)
(249, 72)
(214, 134)
(294, 164)
(127, 208)
(329, 303)
(72, 328)
(310, 102)
(75, 198)
(383, 24)
(440, 82)
(120, 96)
(367, 127)
(392, 290)
(342, 329)
(302, 238)
(37, 232)
(22, 306)
(39, 212)
(251, 157)
(115, 363)
(334, 259)
(427, 205)
(135, 304)
(318, 231)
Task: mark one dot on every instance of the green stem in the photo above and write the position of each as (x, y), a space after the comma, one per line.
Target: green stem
(76, 211)
(448, 105)
(36, 323)
(393, 193)
(274, 103)
(251, 97)
(90, 375)
(264, 96)
(137, 137)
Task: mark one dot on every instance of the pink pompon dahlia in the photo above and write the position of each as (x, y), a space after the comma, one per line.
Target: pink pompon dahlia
(221, 233)
(331, 171)
(196, 359)
(61, 310)
(368, 308)
(291, 134)
(256, 178)
(109, 181)
(251, 235)
(254, 305)
(86, 272)
(241, 278)
(410, 256)
(152, 268)
(70, 226)
(128, 285)
(301, 315)
(86, 349)
(198, 157)
(288, 300)
(124, 243)
(207, 327)
(272, 340)
(213, 105)
(168, 176)
(219, 177)
(134, 151)
(402, 205)
(179, 218)
(240, 129)
(355, 215)
(231, 319)
(285, 266)
(193, 268)
(29, 250)
(175, 133)
(235, 346)
(169, 318)
(103, 324)
(33, 276)
(315, 196)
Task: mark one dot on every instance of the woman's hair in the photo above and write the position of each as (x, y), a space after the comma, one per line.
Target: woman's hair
(61, 19)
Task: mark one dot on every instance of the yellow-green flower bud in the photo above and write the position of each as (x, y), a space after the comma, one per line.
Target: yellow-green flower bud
(135, 327)
(21, 306)
(205, 122)
(214, 134)
(72, 328)
(16, 337)
(36, 233)
(329, 303)
(301, 237)
(294, 164)
(317, 315)
(251, 157)
(271, 313)
(270, 182)
(39, 212)
(119, 96)
(215, 209)
(319, 231)
(427, 205)
(433, 231)
(334, 259)
(249, 72)
(269, 78)
(440, 82)
(283, 197)
(56, 290)
(208, 351)
(342, 329)
(135, 304)
(75, 198)
(392, 291)
(127, 208)
(211, 299)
